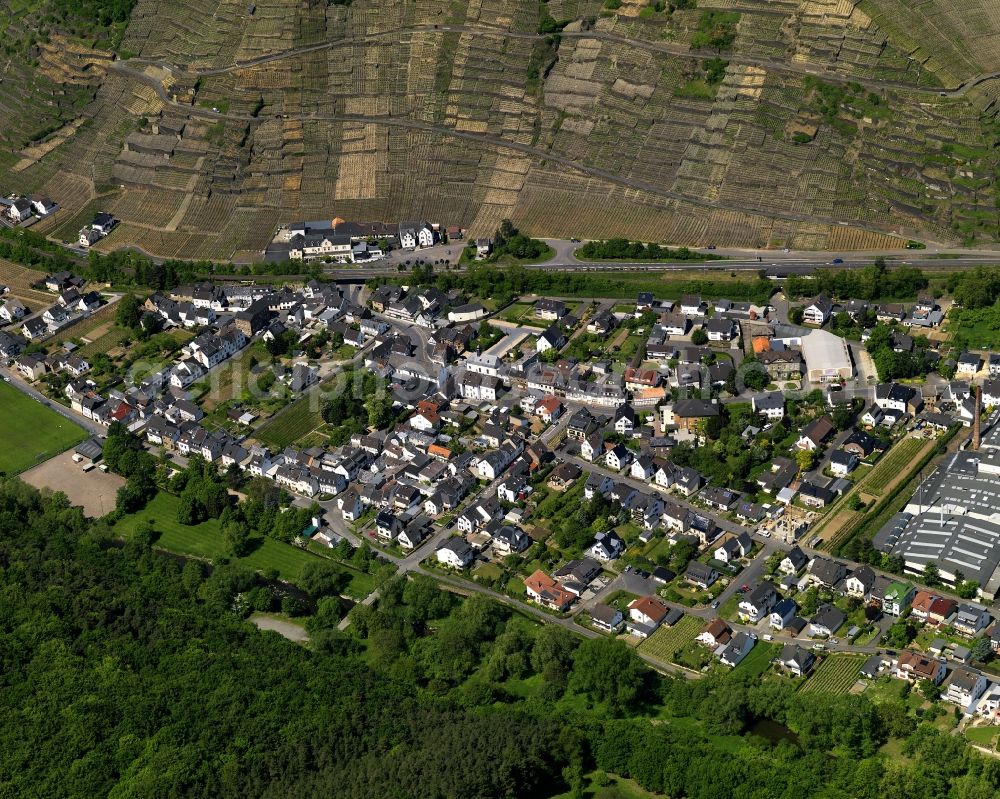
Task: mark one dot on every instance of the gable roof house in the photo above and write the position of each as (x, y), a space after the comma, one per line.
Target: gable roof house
(843, 462)
(687, 414)
(758, 603)
(813, 435)
(860, 582)
(646, 614)
(715, 633)
(782, 613)
(605, 617)
(796, 660)
(551, 339)
(827, 620)
(456, 553)
(734, 547)
(700, 574)
(737, 649)
(817, 311)
(827, 572)
(770, 405)
(548, 592)
(915, 666)
(721, 328)
(931, 608)
(970, 619)
(606, 547)
(964, 688)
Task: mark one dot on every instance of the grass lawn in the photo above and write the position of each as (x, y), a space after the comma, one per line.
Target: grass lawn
(488, 571)
(617, 787)
(513, 313)
(982, 735)
(759, 659)
(205, 541)
(730, 608)
(30, 432)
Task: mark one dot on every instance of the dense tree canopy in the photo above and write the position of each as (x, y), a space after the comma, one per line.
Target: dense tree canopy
(875, 282)
(125, 673)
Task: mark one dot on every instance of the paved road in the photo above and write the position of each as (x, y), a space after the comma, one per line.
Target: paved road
(640, 485)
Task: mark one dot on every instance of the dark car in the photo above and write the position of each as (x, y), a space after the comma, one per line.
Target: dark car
(838, 260)
(642, 573)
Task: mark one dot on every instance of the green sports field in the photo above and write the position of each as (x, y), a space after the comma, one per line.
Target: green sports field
(30, 432)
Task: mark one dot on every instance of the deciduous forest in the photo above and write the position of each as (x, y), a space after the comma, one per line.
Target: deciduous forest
(127, 673)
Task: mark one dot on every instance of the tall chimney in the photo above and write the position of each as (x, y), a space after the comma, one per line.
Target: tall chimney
(977, 417)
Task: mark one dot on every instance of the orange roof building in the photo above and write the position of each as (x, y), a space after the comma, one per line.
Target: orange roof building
(547, 591)
(437, 451)
(648, 609)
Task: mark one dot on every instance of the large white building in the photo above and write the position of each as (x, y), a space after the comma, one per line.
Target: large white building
(827, 357)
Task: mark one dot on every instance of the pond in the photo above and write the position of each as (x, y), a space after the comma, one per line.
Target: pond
(772, 731)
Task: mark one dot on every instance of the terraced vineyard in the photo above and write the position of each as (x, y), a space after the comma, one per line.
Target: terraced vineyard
(826, 123)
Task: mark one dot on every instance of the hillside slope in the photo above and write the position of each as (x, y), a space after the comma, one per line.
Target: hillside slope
(823, 124)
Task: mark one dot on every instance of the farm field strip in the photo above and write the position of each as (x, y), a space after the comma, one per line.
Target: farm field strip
(835, 675)
(892, 465)
(665, 641)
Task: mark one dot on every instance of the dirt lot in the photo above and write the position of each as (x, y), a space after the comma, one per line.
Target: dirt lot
(94, 490)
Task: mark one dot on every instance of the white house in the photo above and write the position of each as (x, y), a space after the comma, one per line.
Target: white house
(606, 547)
(965, 688)
(415, 234)
(605, 617)
(782, 613)
(19, 210)
(739, 647)
(817, 311)
(758, 603)
(551, 339)
(796, 660)
(648, 611)
(842, 462)
(455, 553)
(618, 457)
(770, 405)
